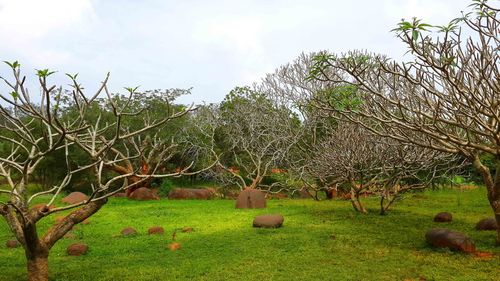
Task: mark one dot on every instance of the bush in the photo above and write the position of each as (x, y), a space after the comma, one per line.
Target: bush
(165, 187)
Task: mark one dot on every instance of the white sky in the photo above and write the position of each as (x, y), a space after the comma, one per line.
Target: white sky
(211, 46)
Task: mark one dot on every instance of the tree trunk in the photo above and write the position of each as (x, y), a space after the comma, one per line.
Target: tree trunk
(38, 267)
(496, 208)
(37, 255)
(356, 203)
(382, 206)
(492, 186)
(255, 182)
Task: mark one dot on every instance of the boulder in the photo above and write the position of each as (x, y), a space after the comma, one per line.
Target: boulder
(230, 194)
(156, 230)
(454, 240)
(268, 221)
(276, 196)
(128, 231)
(251, 199)
(12, 243)
(191, 193)
(443, 217)
(120, 194)
(487, 224)
(43, 207)
(75, 198)
(143, 194)
(77, 249)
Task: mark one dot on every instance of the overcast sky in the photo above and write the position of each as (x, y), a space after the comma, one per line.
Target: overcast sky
(211, 46)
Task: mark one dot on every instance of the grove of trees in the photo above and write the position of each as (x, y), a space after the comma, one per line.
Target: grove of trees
(354, 124)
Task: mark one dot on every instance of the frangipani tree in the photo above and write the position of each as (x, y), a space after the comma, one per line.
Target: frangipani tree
(31, 131)
(446, 98)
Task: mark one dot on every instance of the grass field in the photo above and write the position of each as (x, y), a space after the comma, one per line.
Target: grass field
(224, 246)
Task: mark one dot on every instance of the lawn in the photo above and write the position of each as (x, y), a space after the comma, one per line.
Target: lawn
(323, 240)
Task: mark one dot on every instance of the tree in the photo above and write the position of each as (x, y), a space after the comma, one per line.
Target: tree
(256, 133)
(156, 148)
(353, 157)
(447, 98)
(40, 130)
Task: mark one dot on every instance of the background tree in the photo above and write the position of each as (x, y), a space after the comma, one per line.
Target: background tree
(156, 147)
(256, 134)
(39, 131)
(446, 98)
(355, 159)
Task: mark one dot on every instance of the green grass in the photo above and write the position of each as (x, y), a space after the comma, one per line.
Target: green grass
(224, 245)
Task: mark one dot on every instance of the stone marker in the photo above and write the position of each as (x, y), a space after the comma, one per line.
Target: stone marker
(43, 207)
(268, 221)
(77, 249)
(443, 217)
(156, 230)
(75, 198)
(454, 240)
(487, 224)
(144, 194)
(12, 243)
(120, 194)
(251, 199)
(128, 231)
(191, 193)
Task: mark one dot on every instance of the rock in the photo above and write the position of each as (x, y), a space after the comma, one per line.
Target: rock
(251, 199)
(128, 231)
(487, 224)
(230, 194)
(75, 198)
(156, 230)
(143, 194)
(276, 196)
(120, 195)
(443, 217)
(77, 249)
(43, 207)
(268, 221)
(454, 240)
(187, 229)
(174, 246)
(12, 243)
(191, 193)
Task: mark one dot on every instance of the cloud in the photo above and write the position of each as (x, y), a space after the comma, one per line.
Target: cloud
(212, 46)
(28, 26)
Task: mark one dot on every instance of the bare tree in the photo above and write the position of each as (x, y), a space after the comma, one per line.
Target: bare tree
(106, 143)
(447, 98)
(257, 134)
(156, 148)
(365, 163)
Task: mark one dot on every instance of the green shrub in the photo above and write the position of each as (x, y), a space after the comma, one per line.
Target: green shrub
(165, 187)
